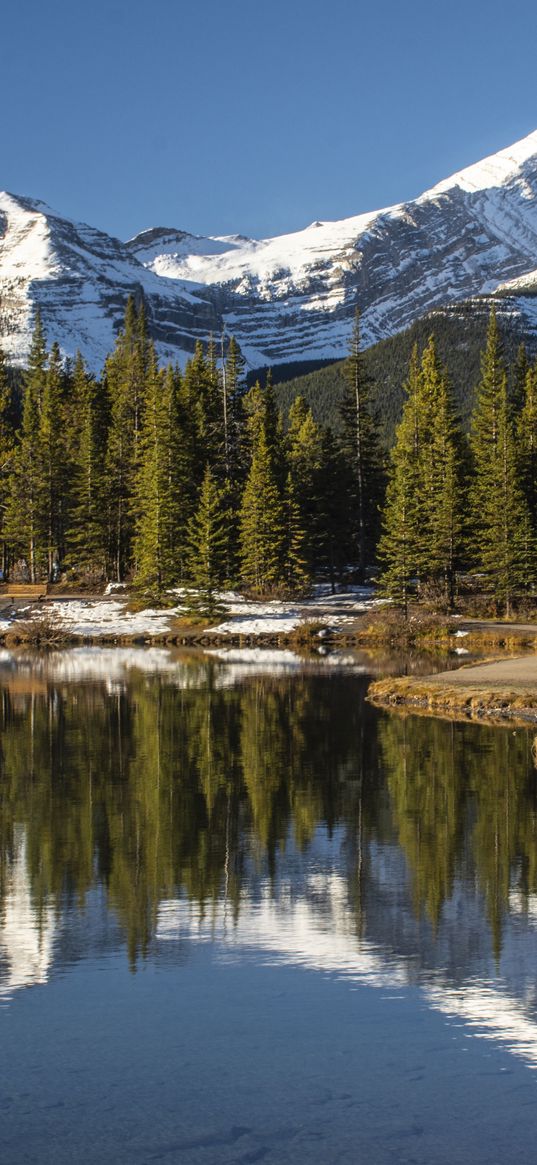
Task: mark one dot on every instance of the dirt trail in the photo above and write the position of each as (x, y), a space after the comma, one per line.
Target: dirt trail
(519, 672)
(487, 625)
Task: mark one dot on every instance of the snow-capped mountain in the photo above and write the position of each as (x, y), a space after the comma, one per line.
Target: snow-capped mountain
(287, 298)
(80, 279)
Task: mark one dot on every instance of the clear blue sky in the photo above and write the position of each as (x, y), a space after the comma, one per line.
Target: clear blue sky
(230, 115)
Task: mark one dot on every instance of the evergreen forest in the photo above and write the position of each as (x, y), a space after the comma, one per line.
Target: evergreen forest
(168, 478)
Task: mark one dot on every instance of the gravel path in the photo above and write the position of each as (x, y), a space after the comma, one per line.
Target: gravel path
(519, 672)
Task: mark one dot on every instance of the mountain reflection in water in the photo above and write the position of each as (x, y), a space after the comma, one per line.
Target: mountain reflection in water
(157, 804)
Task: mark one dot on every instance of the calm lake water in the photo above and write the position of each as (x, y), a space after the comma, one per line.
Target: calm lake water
(246, 917)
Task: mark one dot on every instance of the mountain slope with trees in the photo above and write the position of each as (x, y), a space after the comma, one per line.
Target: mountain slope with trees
(460, 334)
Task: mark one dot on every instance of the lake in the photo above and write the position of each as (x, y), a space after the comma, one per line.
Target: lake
(245, 916)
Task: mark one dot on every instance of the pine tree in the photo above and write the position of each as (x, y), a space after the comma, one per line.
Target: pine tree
(422, 521)
(260, 414)
(335, 517)
(208, 535)
(87, 528)
(502, 543)
(398, 544)
(296, 573)
(398, 549)
(439, 485)
(520, 370)
(53, 469)
(34, 380)
(203, 391)
(125, 380)
(304, 458)
(153, 498)
(232, 388)
(261, 524)
(526, 436)
(361, 447)
(24, 516)
(181, 471)
(7, 452)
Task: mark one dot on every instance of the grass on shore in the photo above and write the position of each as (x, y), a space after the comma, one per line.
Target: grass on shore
(471, 701)
(389, 626)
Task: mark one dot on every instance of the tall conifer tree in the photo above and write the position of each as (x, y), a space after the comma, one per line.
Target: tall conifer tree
(125, 378)
(53, 467)
(526, 435)
(296, 568)
(153, 490)
(362, 450)
(304, 458)
(232, 389)
(7, 453)
(207, 555)
(261, 523)
(422, 522)
(24, 517)
(88, 535)
(439, 458)
(502, 543)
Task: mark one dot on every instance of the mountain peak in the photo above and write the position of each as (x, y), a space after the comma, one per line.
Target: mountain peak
(494, 170)
(287, 298)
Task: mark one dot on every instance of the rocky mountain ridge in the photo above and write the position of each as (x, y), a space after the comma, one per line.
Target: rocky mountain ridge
(285, 299)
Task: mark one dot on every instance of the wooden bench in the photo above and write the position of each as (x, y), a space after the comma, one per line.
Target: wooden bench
(23, 590)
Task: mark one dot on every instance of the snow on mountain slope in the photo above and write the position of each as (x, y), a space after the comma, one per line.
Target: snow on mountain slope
(495, 170)
(264, 259)
(293, 297)
(164, 245)
(524, 285)
(286, 298)
(80, 279)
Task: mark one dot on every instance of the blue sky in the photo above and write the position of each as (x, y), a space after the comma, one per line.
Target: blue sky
(221, 116)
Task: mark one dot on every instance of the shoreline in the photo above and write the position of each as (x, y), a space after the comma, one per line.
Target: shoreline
(321, 626)
(496, 691)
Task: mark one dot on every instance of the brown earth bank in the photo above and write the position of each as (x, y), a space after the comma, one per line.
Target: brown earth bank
(498, 690)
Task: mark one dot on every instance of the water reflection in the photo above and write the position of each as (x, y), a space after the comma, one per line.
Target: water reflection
(160, 804)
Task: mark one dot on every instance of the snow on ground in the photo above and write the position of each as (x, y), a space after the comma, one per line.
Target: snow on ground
(278, 618)
(260, 619)
(108, 615)
(89, 618)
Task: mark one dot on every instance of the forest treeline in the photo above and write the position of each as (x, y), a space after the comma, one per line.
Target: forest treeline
(187, 478)
(460, 332)
(168, 477)
(458, 502)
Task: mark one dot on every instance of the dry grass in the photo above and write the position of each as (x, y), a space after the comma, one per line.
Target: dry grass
(510, 644)
(456, 702)
(137, 602)
(42, 631)
(391, 627)
(306, 634)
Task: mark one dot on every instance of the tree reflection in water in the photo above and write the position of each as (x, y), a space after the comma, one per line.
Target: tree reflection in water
(188, 784)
